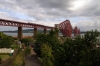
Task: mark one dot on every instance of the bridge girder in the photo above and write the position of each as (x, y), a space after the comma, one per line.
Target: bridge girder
(5, 22)
(66, 29)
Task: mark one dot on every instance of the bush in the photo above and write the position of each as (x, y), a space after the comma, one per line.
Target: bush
(51, 39)
(26, 41)
(6, 42)
(47, 56)
(77, 52)
(23, 64)
(27, 50)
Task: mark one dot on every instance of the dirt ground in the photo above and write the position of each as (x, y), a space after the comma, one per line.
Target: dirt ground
(32, 60)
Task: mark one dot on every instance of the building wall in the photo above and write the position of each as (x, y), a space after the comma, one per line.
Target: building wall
(6, 50)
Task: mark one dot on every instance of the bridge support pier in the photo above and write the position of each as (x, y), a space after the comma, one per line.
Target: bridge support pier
(19, 33)
(51, 29)
(35, 31)
(57, 29)
(45, 31)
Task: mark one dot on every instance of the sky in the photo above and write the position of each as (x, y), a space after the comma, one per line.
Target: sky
(85, 14)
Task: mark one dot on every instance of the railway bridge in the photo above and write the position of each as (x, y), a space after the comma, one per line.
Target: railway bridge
(65, 27)
(4, 22)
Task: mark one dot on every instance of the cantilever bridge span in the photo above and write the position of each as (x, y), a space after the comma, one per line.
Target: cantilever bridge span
(66, 28)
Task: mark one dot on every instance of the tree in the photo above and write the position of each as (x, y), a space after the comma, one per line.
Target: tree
(77, 52)
(27, 40)
(90, 37)
(40, 39)
(27, 50)
(50, 39)
(46, 54)
(6, 42)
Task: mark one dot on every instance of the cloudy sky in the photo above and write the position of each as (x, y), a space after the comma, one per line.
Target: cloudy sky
(82, 13)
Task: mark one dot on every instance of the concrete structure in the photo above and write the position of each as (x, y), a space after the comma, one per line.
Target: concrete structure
(35, 31)
(45, 30)
(57, 28)
(19, 33)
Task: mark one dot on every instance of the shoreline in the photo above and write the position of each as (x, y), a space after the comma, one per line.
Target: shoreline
(23, 36)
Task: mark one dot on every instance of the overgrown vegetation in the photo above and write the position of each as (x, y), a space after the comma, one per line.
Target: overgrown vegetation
(27, 51)
(27, 40)
(4, 57)
(18, 59)
(81, 51)
(46, 54)
(6, 41)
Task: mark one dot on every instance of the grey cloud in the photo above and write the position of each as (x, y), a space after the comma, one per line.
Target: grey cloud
(88, 28)
(34, 8)
(90, 9)
(87, 25)
(61, 7)
(51, 10)
(54, 3)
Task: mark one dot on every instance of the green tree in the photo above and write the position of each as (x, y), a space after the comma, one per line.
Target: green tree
(47, 56)
(26, 41)
(80, 50)
(73, 52)
(40, 39)
(6, 42)
(51, 39)
(27, 50)
(90, 37)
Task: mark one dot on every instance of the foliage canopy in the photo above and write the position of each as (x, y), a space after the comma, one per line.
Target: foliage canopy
(81, 51)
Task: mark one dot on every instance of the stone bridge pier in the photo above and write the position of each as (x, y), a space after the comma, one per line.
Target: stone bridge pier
(34, 32)
(19, 33)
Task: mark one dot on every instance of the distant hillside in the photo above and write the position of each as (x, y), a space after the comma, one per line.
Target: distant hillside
(31, 31)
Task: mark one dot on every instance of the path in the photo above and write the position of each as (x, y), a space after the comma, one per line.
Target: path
(32, 60)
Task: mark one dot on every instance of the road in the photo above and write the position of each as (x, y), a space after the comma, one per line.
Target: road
(32, 60)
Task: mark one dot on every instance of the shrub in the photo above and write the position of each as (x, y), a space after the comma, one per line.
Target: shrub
(27, 50)
(47, 56)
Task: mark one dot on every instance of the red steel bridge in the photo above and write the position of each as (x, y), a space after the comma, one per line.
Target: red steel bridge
(65, 27)
(4, 22)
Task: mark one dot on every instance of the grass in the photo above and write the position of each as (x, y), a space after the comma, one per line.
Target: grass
(5, 57)
(19, 59)
(15, 46)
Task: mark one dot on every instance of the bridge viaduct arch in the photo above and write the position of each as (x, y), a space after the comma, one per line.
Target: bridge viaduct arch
(4, 22)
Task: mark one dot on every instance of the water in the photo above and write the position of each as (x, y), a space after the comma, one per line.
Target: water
(27, 34)
(15, 34)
